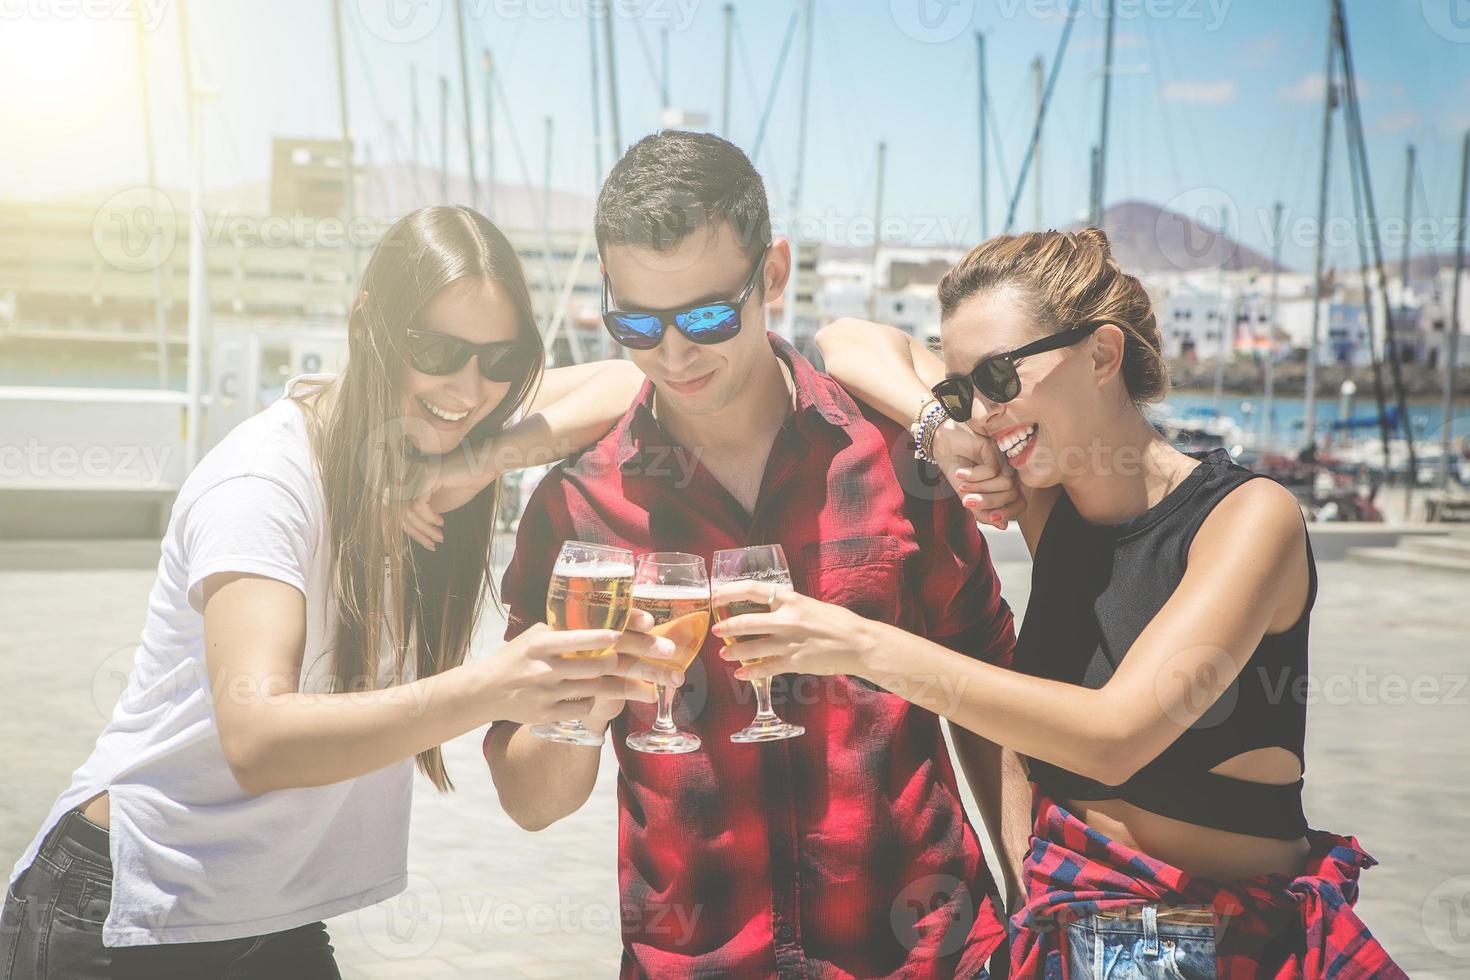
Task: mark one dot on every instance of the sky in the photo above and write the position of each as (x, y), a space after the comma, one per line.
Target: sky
(1216, 103)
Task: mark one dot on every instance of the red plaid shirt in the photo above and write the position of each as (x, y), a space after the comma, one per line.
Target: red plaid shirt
(842, 852)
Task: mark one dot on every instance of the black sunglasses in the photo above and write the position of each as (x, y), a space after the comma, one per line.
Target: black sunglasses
(708, 323)
(439, 354)
(996, 377)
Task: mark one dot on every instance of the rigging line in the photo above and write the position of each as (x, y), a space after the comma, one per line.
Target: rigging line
(1154, 57)
(776, 188)
(515, 138)
(760, 133)
(752, 89)
(390, 130)
(1425, 209)
(997, 143)
(1051, 82)
(1354, 118)
(833, 48)
(648, 59)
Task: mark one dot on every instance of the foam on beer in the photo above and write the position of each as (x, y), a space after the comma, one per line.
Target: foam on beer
(653, 590)
(593, 569)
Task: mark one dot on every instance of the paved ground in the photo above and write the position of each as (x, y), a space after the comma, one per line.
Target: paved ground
(1387, 761)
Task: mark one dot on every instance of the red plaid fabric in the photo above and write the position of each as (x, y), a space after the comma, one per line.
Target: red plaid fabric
(845, 851)
(1273, 926)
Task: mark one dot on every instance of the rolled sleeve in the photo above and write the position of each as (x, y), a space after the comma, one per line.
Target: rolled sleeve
(538, 542)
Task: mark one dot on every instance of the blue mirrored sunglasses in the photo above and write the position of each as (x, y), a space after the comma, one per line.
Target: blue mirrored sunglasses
(707, 323)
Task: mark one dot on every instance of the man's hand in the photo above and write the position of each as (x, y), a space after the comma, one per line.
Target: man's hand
(980, 474)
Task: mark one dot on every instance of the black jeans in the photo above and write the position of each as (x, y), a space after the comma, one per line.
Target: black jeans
(52, 927)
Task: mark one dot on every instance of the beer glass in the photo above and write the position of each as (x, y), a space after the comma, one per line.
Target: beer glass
(673, 588)
(591, 589)
(766, 566)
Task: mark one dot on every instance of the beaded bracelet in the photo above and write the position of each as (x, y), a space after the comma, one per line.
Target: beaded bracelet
(926, 427)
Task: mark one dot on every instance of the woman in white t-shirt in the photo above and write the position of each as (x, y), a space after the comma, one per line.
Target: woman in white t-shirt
(300, 650)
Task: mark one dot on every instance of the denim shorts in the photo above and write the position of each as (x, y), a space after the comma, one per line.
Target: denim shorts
(1148, 943)
(51, 928)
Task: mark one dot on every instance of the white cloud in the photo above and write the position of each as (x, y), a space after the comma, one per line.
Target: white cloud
(1262, 52)
(1221, 92)
(1310, 88)
(1398, 122)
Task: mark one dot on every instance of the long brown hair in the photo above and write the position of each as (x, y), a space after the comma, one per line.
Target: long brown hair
(421, 604)
(1065, 278)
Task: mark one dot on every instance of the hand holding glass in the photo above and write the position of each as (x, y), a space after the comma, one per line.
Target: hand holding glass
(673, 588)
(765, 565)
(591, 588)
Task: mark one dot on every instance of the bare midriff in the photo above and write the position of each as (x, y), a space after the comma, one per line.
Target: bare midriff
(1201, 851)
(98, 811)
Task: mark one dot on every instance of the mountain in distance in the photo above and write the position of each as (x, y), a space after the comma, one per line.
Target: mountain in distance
(1150, 238)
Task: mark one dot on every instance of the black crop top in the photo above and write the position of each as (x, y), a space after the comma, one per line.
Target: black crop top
(1094, 589)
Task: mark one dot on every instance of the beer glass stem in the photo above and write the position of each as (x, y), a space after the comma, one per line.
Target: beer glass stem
(664, 723)
(763, 711)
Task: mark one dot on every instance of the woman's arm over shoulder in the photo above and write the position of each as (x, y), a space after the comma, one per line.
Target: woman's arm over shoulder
(616, 383)
(881, 365)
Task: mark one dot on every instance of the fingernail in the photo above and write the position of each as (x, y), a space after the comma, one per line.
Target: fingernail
(994, 516)
(678, 680)
(718, 631)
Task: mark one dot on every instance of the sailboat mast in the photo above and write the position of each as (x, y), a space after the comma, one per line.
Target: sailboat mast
(1453, 337)
(1102, 139)
(1329, 102)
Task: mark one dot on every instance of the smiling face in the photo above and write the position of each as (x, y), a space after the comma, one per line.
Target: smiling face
(708, 265)
(1048, 421)
(444, 408)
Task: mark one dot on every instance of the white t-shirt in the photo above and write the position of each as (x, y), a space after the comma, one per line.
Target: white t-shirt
(195, 858)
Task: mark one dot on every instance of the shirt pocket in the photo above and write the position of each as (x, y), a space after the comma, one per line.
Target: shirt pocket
(863, 575)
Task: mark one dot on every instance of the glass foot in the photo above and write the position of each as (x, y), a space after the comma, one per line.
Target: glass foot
(656, 742)
(767, 731)
(567, 732)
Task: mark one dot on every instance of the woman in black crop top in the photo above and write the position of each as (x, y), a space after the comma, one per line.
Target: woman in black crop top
(1152, 686)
